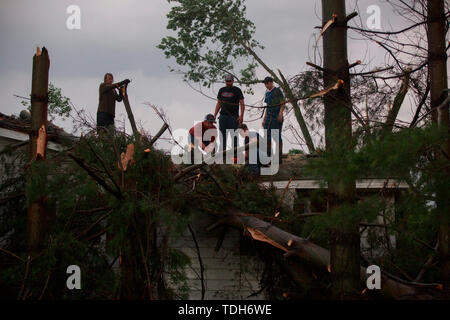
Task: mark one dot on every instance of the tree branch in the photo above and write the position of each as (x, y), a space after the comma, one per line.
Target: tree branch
(159, 134)
(200, 261)
(419, 107)
(398, 101)
(99, 180)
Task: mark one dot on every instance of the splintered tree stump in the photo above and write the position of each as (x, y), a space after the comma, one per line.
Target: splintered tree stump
(37, 149)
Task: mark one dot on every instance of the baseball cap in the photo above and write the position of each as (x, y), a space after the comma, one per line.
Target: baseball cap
(229, 77)
(267, 79)
(210, 118)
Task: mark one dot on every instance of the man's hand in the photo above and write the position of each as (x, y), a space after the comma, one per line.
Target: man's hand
(124, 83)
(280, 117)
(240, 119)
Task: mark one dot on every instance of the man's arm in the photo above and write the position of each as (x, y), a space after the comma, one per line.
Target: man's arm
(200, 142)
(107, 87)
(119, 97)
(280, 115)
(246, 154)
(210, 147)
(264, 118)
(218, 105)
(212, 135)
(241, 117)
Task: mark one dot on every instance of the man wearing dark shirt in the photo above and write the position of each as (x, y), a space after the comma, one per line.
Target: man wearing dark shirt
(228, 100)
(253, 145)
(107, 100)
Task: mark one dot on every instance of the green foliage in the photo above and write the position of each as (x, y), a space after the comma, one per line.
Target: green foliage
(58, 105)
(209, 37)
(295, 151)
(149, 209)
(36, 188)
(153, 209)
(408, 155)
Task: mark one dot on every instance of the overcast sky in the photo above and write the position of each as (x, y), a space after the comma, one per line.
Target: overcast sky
(120, 36)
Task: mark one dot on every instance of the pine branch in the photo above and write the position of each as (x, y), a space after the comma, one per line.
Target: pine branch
(94, 176)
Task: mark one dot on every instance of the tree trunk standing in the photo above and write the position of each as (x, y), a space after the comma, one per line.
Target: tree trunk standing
(437, 70)
(38, 146)
(344, 237)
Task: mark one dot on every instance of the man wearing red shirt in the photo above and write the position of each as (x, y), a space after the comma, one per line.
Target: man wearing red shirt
(203, 134)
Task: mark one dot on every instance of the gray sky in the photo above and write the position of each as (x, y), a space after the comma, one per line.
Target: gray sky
(121, 37)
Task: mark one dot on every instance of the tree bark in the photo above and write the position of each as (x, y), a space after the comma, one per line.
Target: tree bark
(398, 101)
(437, 70)
(344, 238)
(126, 102)
(298, 113)
(37, 150)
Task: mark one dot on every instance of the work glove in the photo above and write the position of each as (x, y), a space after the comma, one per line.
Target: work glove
(123, 83)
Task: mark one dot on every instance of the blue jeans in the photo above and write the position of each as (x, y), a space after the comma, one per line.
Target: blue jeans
(105, 122)
(227, 122)
(270, 125)
(104, 119)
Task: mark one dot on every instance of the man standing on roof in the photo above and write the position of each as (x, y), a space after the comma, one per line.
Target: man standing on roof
(107, 100)
(228, 100)
(203, 135)
(273, 117)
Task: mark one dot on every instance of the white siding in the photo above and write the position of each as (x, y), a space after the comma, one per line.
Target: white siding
(228, 274)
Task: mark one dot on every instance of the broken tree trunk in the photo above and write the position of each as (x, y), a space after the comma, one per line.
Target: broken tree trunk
(344, 237)
(298, 114)
(398, 101)
(159, 134)
(437, 71)
(126, 102)
(310, 253)
(37, 150)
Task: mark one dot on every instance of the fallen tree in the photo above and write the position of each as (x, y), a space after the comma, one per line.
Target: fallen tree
(311, 253)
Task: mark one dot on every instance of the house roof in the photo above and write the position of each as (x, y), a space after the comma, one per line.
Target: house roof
(23, 124)
(293, 167)
(18, 129)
